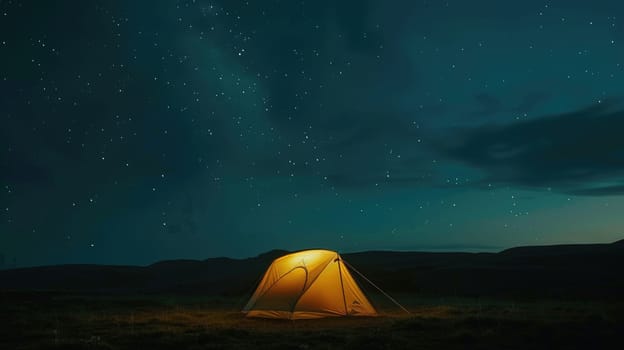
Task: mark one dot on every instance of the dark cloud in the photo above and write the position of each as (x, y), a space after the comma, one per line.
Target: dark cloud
(358, 150)
(488, 105)
(581, 152)
(601, 191)
(531, 101)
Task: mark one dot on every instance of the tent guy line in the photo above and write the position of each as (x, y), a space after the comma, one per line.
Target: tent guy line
(376, 287)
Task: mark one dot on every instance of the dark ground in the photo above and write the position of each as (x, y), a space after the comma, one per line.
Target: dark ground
(58, 321)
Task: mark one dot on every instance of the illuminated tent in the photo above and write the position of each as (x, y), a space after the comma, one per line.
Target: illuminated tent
(308, 284)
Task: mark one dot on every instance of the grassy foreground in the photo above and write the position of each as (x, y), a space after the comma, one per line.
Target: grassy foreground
(56, 321)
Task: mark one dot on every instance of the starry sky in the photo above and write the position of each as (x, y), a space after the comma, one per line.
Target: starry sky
(136, 131)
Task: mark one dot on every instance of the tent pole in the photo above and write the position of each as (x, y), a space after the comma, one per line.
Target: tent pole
(379, 289)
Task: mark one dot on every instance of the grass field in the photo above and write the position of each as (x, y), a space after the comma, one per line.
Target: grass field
(57, 321)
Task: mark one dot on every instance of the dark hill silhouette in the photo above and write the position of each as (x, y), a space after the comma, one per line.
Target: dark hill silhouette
(560, 271)
(576, 271)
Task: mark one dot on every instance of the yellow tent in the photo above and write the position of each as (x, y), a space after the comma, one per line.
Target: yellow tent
(308, 284)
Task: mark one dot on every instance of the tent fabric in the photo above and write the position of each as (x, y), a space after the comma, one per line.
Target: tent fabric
(308, 284)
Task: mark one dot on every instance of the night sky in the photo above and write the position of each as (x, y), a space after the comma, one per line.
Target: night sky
(136, 131)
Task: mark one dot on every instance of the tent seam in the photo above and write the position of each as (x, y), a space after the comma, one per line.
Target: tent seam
(344, 298)
(282, 276)
(311, 283)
